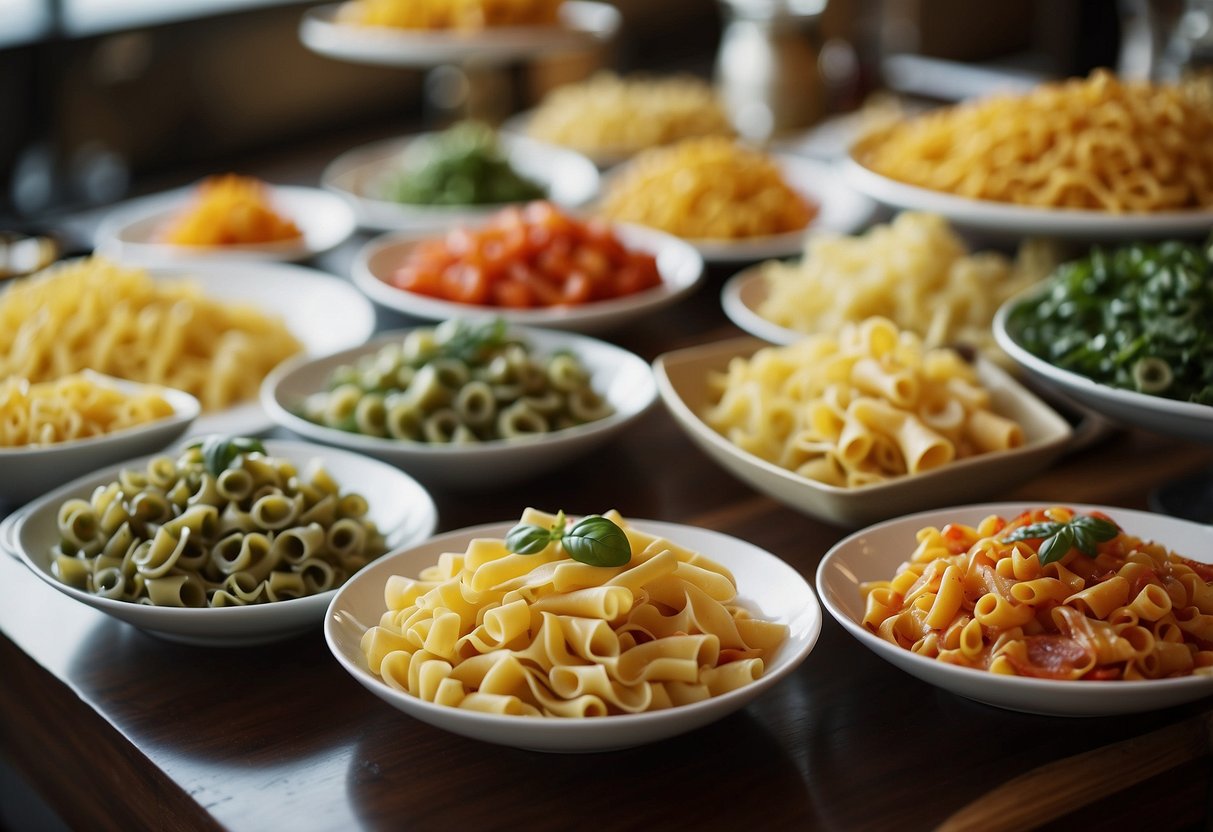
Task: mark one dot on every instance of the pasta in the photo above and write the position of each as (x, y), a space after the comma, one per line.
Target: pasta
(859, 408)
(458, 383)
(230, 210)
(707, 188)
(544, 635)
(183, 533)
(73, 407)
(914, 271)
(468, 15)
(1096, 143)
(976, 597)
(609, 114)
(91, 313)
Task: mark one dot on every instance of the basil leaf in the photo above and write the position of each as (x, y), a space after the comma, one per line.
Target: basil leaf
(1100, 530)
(218, 452)
(597, 541)
(527, 539)
(1034, 531)
(1056, 547)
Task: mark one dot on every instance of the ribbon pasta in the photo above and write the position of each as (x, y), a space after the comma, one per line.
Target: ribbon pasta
(173, 534)
(967, 597)
(91, 313)
(544, 635)
(1096, 144)
(73, 407)
(859, 408)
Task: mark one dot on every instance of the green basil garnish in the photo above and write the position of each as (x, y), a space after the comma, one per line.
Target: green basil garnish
(1083, 533)
(219, 452)
(593, 540)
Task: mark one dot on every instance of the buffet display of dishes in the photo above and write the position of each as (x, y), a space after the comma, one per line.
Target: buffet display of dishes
(886, 384)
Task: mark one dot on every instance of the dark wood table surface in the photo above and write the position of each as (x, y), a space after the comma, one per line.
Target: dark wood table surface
(118, 729)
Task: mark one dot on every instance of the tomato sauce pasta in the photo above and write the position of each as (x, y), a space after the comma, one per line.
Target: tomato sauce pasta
(978, 597)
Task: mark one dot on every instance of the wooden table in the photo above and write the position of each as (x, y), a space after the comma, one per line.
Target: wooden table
(118, 729)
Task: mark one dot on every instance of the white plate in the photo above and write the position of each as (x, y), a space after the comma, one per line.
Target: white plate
(624, 379)
(841, 210)
(1009, 221)
(400, 507)
(875, 554)
(582, 25)
(680, 266)
(358, 175)
(741, 296)
(682, 380)
(1186, 420)
(30, 471)
(322, 311)
(132, 232)
(766, 586)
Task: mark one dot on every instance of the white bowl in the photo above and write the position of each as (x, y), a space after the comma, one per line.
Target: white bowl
(400, 507)
(742, 295)
(581, 25)
(1186, 420)
(841, 210)
(623, 379)
(132, 232)
(569, 178)
(680, 266)
(28, 471)
(682, 380)
(876, 552)
(768, 587)
(323, 312)
(1005, 220)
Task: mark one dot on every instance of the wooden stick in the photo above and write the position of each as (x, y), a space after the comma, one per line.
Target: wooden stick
(1058, 788)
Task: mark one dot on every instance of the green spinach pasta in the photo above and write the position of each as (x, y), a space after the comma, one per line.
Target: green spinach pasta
(457, 383)
(223, 524)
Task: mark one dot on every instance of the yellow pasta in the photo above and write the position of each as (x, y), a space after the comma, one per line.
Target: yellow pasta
(1111, 607)
(914, 271)
(73, 407)
(94, 314)
(467, 15)
(707, 188)
(544, 635)
(609, 115)
(230, 210)
(858, 408)
(1096, 143)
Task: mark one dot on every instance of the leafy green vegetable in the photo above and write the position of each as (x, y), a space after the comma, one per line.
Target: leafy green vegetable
(1083, 533)
(1139, 317)
(593, 540)
(463, 165)
(219, 452)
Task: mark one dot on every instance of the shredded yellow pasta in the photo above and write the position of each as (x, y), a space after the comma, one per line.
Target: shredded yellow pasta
(544, 635)
(969, 596)
(230, 210)
(858, 408)
(914, 271)
(93, 314)
(609, 115)
(468, 15)
(707, 188)
(1096, 143)
(73, 407)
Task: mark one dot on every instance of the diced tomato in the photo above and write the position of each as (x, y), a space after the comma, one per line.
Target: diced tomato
(1101, 674)
(1051, 656)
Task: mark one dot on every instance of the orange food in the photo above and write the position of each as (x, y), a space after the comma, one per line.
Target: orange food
(230, 210)
(528, 257)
